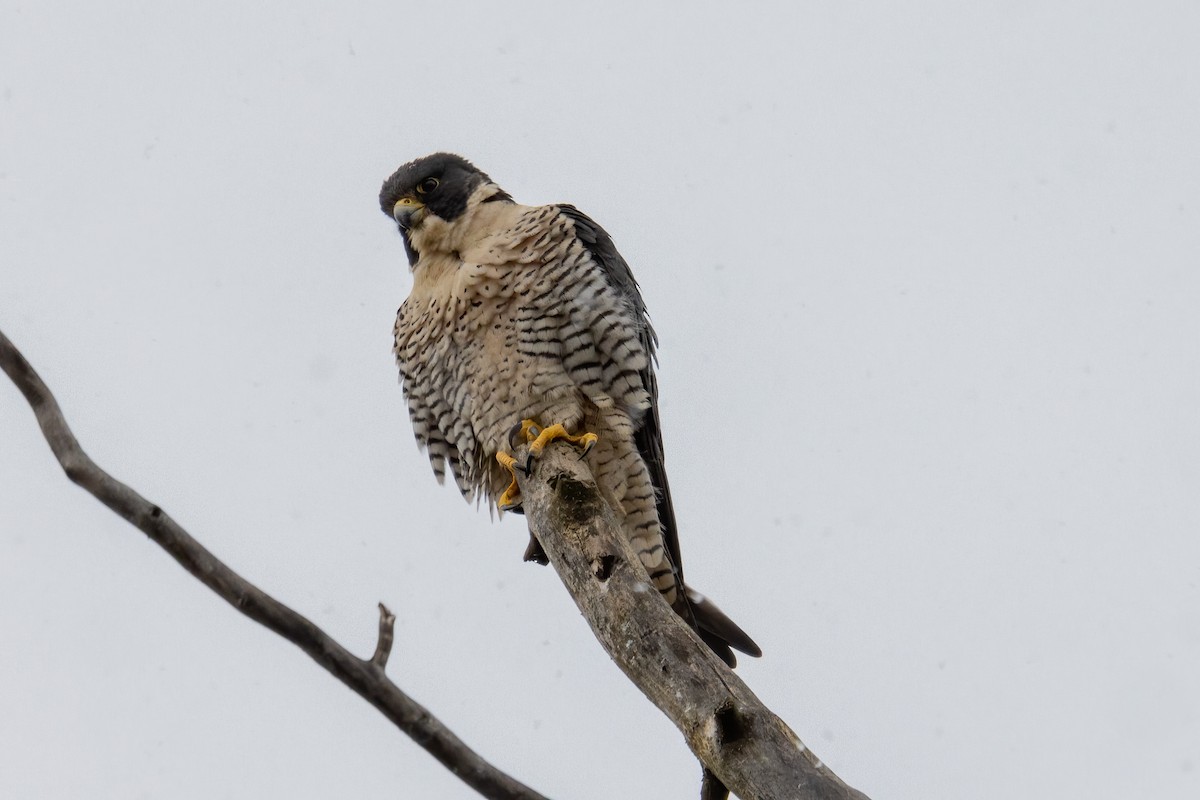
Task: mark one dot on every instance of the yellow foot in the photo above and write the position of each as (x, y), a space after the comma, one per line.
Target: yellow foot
(538, 438)
(511, 499)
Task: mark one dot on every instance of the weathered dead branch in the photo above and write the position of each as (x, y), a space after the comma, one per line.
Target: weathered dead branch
(753, 752)
(365, 677)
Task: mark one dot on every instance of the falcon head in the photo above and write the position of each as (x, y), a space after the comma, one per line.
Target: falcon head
(439, 186)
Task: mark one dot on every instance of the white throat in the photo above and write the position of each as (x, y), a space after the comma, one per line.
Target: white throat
(436, 236)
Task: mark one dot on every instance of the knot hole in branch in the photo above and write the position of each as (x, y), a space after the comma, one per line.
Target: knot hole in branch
(731, 725)
(602, 567)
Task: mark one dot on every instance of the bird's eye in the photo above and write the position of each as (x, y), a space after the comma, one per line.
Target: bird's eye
(426, 186)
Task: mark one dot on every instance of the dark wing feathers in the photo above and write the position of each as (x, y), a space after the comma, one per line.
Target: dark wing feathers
(649, 435)
(716, 629)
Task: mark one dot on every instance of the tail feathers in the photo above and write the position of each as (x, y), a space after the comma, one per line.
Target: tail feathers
(711, 787)
(718, 631)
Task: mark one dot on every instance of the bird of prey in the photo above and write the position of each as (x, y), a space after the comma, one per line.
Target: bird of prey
(525, 322)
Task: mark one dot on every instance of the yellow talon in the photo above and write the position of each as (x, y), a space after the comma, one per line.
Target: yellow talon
(537, 437)
(512, 495)
(585, 441)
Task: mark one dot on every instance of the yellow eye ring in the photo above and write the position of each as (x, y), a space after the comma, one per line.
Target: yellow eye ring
(426, 186)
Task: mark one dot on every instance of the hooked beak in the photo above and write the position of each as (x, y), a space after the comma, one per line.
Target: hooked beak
(406, 212)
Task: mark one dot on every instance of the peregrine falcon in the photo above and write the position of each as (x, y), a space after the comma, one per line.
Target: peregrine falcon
(525, 323)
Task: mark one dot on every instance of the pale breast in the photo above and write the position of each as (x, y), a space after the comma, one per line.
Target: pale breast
(521, 325)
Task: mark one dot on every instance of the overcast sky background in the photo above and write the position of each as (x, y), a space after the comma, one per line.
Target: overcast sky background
(926, 280)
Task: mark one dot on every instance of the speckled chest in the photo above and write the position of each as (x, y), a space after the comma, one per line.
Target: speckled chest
(475, 340)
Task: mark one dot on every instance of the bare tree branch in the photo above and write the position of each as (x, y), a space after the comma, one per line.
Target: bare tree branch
(364, 677)
(383, 649)
(737, 738)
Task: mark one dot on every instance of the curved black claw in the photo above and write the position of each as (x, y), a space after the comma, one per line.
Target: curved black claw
(513, 433)
(536, 437)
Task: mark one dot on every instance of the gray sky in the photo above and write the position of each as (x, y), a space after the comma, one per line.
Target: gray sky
(926, 284)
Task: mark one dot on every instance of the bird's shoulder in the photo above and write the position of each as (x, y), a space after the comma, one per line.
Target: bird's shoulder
(603, 251)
